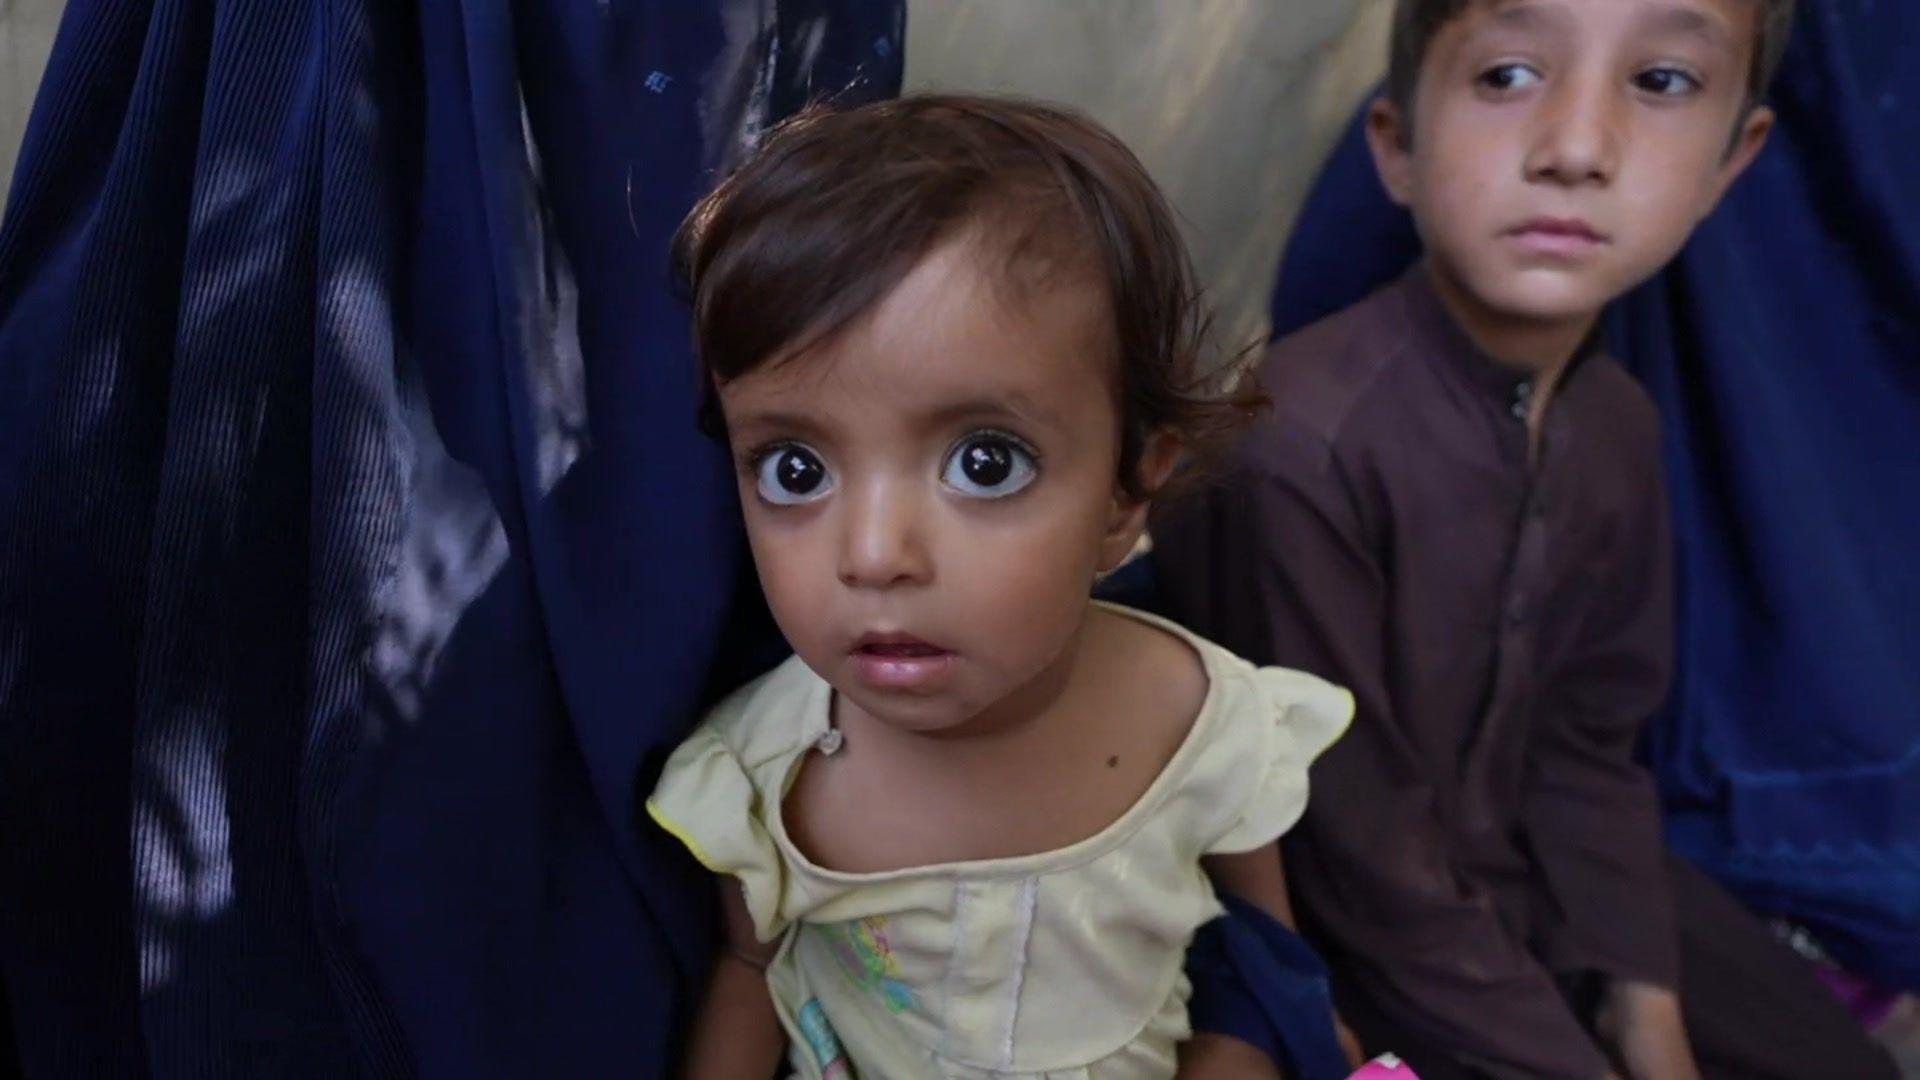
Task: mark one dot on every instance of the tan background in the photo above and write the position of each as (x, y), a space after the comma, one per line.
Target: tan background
(26, 33)
(1232, 103)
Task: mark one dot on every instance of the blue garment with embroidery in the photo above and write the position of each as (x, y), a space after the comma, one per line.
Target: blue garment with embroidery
(1784, 350)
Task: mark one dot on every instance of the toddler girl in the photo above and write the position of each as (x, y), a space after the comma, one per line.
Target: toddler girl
(953, 345)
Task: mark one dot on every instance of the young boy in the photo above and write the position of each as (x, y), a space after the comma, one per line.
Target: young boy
(1456, 510)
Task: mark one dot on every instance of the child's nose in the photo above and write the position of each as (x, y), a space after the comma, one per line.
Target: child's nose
(1577, 140)
(883, 544)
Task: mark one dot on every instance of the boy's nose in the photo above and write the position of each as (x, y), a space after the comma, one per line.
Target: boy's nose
(883, 543)
(1577, 141)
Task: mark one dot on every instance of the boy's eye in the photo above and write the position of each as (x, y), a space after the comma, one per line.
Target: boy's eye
(791, 475)
(1666, 82)
(989, 467)
(1512, 76)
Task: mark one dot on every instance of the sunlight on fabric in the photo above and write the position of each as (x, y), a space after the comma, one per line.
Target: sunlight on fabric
(453, 548)
(183, 868)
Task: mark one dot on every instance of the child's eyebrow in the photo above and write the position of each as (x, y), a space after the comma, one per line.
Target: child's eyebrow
(1689, 22)
(1523, 15)
(1016, 405)
(749, 427)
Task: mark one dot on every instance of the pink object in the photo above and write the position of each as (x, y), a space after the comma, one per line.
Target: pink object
(1869, 1003)
(1385, 1067)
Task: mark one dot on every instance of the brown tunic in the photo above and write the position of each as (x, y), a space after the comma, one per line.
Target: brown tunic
(1506, 629)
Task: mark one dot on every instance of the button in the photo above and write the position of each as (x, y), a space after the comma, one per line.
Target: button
(1537, 509)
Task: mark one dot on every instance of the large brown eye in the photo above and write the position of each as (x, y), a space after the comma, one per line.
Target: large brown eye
(793, 474)
(990, 466)
(987, 464)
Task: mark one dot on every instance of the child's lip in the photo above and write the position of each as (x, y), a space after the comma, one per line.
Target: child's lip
(897, 661)
(1572, 229)
(1558, 240)
(896, 644)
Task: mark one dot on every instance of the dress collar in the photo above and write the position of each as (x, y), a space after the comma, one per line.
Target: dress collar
(1428, 318)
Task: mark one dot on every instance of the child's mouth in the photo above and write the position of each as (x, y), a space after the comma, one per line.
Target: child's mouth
(1562, 237)
(900, 661)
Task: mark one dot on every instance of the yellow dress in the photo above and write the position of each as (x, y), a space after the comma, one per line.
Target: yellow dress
(1065, 965)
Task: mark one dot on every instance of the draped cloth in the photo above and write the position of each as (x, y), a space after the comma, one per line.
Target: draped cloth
(1783, 347)
(359, 554)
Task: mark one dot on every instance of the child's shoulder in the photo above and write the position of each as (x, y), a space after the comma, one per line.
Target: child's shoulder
(1329, 381)
(1633, 420)
(1162, 672)
(1165, 669)
(779, 713)
(1252, 731)
(1318, 374)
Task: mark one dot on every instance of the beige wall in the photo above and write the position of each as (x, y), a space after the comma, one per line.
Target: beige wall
(1232, 104)
(26, 34)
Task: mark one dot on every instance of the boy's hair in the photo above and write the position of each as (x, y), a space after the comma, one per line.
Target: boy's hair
(1416, 22)
(837, 206)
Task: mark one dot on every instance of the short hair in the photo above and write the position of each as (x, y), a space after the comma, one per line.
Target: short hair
(1417, 22)
(837, 205)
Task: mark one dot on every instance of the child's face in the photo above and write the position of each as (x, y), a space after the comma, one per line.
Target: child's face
(930, 495)
(1561, 151)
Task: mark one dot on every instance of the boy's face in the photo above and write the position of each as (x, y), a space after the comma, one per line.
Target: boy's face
(930, 494)
(1561, 151)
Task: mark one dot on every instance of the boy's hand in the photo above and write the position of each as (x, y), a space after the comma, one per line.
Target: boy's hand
(1349, 1044)
(1208, 1056)
(1642, 1023)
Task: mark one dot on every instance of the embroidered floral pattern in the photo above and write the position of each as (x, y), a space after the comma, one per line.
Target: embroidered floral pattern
(868, 960)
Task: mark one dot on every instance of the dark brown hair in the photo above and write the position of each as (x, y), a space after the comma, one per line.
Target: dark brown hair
(836, 206)
(1417, 22)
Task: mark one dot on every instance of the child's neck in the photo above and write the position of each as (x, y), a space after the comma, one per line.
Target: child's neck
(1540, 347)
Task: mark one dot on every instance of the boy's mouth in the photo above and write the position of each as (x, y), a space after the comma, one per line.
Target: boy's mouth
(899, 661)
(1558, 236)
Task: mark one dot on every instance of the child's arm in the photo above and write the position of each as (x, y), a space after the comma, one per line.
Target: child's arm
(1254, 876)
(737, 1034)
(1643, 1024)
(1208, 1056)
(1591, 814)
(1260, 878)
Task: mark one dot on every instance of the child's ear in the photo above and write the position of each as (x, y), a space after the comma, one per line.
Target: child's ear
(1390, 137)
(1747, 143)
(1158, 458)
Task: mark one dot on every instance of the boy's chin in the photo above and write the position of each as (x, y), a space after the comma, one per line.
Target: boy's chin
(1546, 296)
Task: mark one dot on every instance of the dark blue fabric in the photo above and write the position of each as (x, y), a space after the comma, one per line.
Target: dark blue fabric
(1255, 977)
(551, 933)
(360, 552)
(1783, 347)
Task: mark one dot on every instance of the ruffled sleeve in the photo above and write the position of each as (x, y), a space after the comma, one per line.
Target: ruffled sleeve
(1304, 717)
(707, 802)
